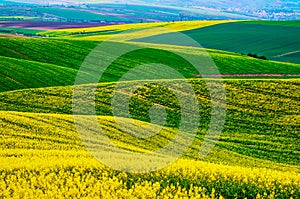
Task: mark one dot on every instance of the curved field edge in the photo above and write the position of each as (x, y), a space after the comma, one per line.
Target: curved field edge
(42, 156)
(57, 52)
(115, 29)
(294, 23)
(19, 74)
(261, 122)
(33, 63)
(253, 37)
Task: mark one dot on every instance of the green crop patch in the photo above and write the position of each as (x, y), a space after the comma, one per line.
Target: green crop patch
(57, 62)
(275, 40)
(68, 14)
(259, 120)
(43, 146)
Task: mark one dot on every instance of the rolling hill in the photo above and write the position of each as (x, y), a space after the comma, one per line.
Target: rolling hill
(19, 74)
(55, 62)
(254, 113)
(249, 37)
(257, 149)
(242, 37)
(43, 155)
(277, 40)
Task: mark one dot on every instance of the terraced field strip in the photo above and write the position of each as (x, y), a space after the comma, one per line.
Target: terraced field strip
(57, 62)
(251, 75)
(43, 156)
(292, 23)
(261, 119)
(98, 33)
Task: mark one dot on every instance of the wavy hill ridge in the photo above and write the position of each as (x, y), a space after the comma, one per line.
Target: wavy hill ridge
(33, 63)
(42, 154)
(57, 133)
(20, 74)
(254, 114)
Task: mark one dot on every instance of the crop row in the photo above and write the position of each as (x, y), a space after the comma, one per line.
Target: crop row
(257, 124)
(183, 179)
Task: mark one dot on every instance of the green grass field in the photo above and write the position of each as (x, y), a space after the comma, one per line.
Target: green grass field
(58, 61)
(275, 23)
(19, 74)
(77, 15)
(235, 36)
(8, 18)
(58, 52)
(43, 156)
(25, 31)
(265, 38)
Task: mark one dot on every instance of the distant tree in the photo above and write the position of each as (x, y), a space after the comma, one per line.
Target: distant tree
(254, 55)
(263, 57)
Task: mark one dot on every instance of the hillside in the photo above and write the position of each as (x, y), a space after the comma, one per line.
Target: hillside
(253, 37)
(169, 10)
(19, 74)
(58, 52)
(95, 33)
(55, 62)
(257, 153)
(242, 37)
(46, 152)
(113, 13)
(46, 149)
(257, 110)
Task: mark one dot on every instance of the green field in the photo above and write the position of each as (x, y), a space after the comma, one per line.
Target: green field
(43, 156)
(9, 18)
(58, 61)
(77, 14)
(257, 134)
(175, 26)
(242, 37)
(58, 52)
(249, 127)
(39, 74)
(265, 38)
(19, 31)
(275, 23)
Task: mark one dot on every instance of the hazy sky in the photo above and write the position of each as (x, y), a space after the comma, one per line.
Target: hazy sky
(254, 4)
(236, 2)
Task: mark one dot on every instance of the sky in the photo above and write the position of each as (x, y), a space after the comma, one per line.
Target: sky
(253, 5)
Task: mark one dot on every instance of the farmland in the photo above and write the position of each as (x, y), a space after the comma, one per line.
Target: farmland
(241, 37)
(176, 26)
(42, 26)
(253, 37)
(276, 23)
(51, 151)
(241, 96)
(43, 155)
(63, 58)
(76, 15)
(110, 13)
